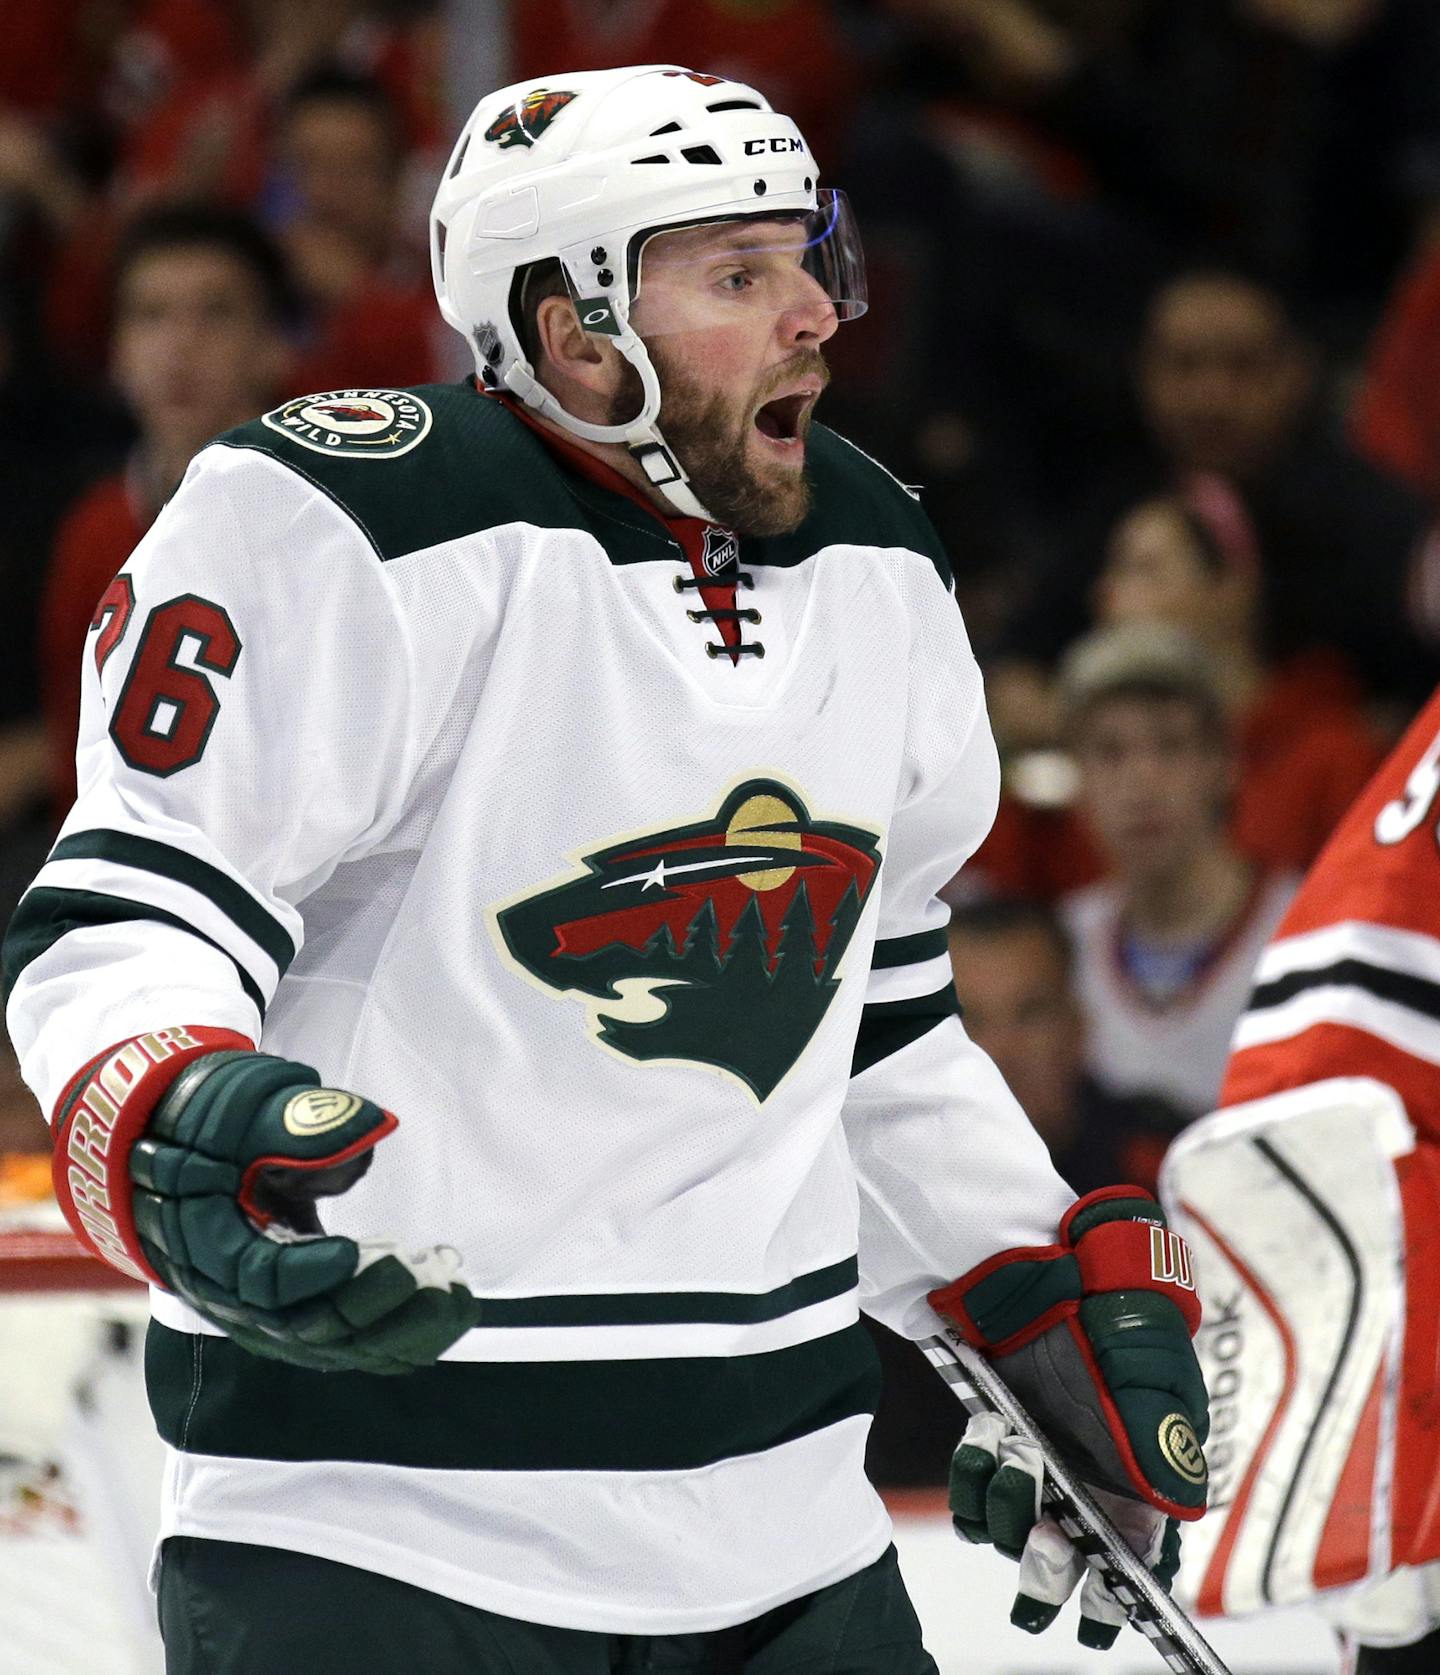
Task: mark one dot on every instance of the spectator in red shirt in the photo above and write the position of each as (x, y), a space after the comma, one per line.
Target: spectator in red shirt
(207, 126)
(1228, 385)
(201, 297)
(1303, 742)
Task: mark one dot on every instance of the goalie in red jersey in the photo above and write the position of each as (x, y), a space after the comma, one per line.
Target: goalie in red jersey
(1312, 1199)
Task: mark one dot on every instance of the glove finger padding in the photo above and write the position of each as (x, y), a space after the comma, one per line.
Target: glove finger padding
(1012, 1501)
(972, 1466)
(996, 1479)
(1050, 1568)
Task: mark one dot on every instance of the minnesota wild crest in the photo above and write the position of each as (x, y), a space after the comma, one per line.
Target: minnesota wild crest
(715, 942)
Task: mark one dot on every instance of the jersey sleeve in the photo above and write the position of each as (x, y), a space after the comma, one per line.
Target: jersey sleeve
(949, 1168)
(244, 729)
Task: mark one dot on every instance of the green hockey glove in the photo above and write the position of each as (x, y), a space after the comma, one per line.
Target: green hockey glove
(1093, 1335)
(193, 1161)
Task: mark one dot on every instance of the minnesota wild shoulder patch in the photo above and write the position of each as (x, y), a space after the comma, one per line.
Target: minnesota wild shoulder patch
(362, 424)
(715, 943)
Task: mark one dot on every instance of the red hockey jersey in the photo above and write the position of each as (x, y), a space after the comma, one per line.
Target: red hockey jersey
(1350, 986)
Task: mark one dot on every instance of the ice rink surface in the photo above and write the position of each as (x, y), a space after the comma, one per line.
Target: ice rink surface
(963, 1596)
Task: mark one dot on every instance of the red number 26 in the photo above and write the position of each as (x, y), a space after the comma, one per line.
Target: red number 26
(166, 708)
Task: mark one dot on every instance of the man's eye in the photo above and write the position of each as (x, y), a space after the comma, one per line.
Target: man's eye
(740, 280)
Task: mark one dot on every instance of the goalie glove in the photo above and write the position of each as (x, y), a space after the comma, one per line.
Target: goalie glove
(1093, 1335)
(185, 1158)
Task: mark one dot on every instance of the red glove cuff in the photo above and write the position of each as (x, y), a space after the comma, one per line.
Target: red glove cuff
(1139, 1256)
(99, 1117)
(1015, 1296)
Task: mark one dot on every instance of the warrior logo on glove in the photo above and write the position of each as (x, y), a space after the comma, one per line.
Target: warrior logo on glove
(716, 943)
(319, 1110)
(1181, 1447)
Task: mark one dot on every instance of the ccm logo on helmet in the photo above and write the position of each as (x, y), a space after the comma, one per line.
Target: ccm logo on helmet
(754, 148)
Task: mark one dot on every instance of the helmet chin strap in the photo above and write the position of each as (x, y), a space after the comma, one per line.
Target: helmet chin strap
(641, 437)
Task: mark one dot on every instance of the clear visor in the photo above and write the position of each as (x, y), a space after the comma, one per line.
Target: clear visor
(711, 273)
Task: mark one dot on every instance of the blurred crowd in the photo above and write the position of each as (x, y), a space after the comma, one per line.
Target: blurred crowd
(1155, 321)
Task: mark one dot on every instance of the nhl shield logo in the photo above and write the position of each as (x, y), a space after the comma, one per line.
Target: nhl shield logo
(716, 943)
(523, 123)
(721, 550)
(362, 424)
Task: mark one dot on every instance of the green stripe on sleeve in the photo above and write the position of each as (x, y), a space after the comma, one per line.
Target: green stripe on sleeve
(666, 1308)
(45, 915)
(908, 950)
(887, 1026)
(209, 1396)
(148, 855)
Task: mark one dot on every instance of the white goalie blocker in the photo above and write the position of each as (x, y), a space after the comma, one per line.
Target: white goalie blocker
(1293, 1207)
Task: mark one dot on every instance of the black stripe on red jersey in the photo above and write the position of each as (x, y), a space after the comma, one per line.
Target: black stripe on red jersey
(1418, 994)
(209, 1396)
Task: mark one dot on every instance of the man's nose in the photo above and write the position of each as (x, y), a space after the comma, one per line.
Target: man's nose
(810, 315)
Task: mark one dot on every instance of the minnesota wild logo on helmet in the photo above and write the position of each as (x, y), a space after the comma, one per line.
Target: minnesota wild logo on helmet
(524, 123)
(716, 942)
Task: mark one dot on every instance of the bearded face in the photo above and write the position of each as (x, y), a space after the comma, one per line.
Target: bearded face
(744, 450)
(733, 323)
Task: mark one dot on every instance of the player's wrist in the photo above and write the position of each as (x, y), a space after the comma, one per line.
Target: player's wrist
(100, 1115)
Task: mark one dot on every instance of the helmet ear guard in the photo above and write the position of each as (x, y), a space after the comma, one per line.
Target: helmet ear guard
(584, 172)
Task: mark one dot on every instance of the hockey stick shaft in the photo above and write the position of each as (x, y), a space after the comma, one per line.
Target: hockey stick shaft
(980, 1389)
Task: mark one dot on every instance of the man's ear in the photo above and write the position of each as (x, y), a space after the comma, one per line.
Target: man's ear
(582, 371)
(570, 349)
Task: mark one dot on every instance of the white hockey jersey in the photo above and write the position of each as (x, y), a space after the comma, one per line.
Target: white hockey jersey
(403, 754)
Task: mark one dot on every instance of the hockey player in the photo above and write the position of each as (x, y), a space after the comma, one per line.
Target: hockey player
(568, 760)
(1324, 1168)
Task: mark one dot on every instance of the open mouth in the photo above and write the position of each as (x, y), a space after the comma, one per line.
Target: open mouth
(786, 418)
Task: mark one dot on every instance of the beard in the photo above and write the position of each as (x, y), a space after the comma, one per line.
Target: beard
(710, 436)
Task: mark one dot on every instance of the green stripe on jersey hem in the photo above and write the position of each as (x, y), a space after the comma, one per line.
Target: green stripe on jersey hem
(147, 855)
(209, 1396)
(670, 1308)
(45, 915)
(888, 1025)
(908, 950)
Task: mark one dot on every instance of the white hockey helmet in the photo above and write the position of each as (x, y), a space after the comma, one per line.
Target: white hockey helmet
(582, 169)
